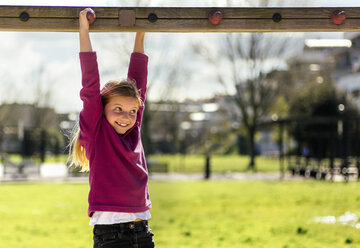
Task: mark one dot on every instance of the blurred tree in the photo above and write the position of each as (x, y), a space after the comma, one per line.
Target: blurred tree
(36, 123)
(315, 101)
(251, 58)
(320, 100)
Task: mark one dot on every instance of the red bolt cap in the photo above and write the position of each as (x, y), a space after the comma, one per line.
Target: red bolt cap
(215, 17)
(338, 17)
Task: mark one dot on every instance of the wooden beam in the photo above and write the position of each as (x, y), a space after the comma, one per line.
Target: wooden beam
(174, 19)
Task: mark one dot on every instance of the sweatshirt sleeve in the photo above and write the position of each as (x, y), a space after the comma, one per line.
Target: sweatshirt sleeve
(91, 113)
(138, 71)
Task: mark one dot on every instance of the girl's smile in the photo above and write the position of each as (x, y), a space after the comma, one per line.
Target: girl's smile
(121, 112)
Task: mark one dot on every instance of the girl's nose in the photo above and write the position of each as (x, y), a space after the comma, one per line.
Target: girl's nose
(126, 115)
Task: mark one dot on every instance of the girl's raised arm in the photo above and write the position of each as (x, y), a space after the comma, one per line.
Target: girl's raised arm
(85, 43)
(139, 42)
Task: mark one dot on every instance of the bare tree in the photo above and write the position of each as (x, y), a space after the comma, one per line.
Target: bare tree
(256, 93)
(250, 58)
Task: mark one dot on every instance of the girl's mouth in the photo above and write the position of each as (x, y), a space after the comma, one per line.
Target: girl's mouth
(122, 124)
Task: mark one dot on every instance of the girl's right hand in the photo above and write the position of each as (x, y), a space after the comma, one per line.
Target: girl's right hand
(83, 21)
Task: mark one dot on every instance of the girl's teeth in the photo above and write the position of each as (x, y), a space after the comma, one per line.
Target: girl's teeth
(123, 125)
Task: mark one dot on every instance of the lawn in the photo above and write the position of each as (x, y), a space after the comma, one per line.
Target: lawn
(190, 214)
(219, 163)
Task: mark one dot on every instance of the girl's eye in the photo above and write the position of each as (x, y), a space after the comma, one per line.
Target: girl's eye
(118, 109)
(133, 112)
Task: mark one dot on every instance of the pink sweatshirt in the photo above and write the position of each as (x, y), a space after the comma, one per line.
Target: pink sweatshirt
(118, 174)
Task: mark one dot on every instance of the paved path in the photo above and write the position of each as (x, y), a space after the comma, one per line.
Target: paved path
(259, 176)
(236, 176)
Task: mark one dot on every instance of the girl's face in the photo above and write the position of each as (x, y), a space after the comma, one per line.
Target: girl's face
(121, 112)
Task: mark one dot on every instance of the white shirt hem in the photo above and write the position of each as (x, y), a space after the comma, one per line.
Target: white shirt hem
(109, 218)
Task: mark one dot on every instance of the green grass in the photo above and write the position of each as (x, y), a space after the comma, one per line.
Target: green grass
(189, 214)
(219, 163)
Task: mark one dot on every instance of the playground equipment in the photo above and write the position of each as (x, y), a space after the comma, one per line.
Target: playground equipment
(175, 19)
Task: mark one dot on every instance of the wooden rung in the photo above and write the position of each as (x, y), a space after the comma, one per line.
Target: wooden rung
(174, 19)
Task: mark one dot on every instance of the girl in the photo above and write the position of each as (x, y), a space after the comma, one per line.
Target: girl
(108, 144)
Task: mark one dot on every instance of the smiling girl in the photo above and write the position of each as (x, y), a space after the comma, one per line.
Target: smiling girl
(108, 145)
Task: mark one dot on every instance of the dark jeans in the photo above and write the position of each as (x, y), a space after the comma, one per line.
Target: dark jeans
(124, 235)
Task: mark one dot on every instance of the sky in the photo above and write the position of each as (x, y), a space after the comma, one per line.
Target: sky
(34, 63)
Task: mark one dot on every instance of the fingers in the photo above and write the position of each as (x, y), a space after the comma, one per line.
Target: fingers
(86, 17)
(85, 11)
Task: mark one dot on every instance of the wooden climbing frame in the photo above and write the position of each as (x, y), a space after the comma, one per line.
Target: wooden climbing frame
(175, 19)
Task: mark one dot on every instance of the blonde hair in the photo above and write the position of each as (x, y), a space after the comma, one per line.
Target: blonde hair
(77, 153)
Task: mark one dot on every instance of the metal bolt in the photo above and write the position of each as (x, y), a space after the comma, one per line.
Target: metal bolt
(24, 16)
(277, 17)
(152, 17)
